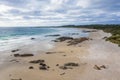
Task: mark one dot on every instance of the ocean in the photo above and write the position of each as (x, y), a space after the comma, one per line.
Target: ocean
(14, 37)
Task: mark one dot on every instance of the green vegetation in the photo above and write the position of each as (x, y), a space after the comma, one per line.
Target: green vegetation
(113, 29)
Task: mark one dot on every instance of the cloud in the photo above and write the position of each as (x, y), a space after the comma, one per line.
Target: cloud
(58, 12)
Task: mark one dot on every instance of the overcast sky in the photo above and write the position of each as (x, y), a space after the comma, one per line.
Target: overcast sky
(58, 12)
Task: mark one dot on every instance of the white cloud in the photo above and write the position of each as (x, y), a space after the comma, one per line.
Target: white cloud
(5, 8)
(84, 3)
(57, 12)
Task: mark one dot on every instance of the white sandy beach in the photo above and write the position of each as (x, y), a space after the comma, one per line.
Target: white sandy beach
(87, 54)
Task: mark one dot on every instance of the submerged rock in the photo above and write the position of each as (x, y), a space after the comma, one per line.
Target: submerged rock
(55, 35)
(32, 38)
(73, 33)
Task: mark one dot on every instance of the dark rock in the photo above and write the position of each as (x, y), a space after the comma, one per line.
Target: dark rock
(16, 79)
(57, 64)
(31, 67)
(64, 55)
(15, 50)
(71, 64)
(97, 67)
(53, 52)
(100, 67)
(63, 67)
(48, 66)
(43, 68)
(23, 55)
(103, 66)
(77, 40)
(32, 38)
(61, 39)
(55, 35)
(43, 64)
(37, 61)
(50, 52)
(16, 55)
(26, 55)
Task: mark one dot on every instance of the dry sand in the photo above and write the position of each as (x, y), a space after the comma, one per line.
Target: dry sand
(88, 54)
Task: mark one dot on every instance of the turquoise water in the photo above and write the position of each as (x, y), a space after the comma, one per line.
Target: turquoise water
(7, 33)
(14, 37)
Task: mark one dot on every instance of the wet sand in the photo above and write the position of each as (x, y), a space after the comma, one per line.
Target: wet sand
(90, 55)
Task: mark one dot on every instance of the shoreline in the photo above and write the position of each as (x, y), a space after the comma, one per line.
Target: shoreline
(90, 55)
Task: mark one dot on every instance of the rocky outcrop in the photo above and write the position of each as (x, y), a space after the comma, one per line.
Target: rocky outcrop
(42, 64)
(77, 40)
(69, 65)
(37, 61)
(61, 39)
(23, 55)
(71, 41)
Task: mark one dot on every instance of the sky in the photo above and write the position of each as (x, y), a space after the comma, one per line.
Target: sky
(58, 12)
